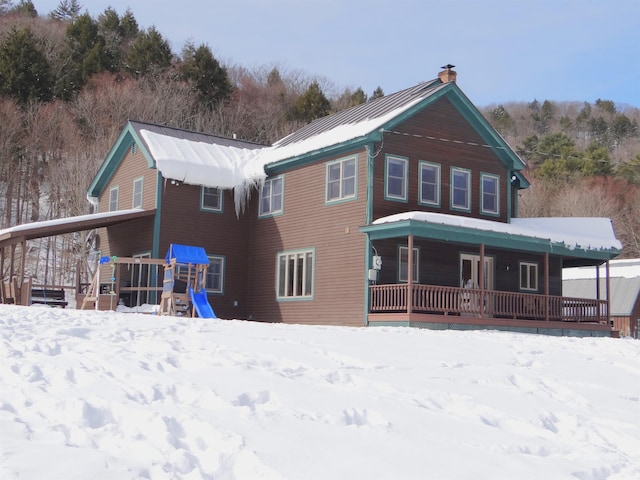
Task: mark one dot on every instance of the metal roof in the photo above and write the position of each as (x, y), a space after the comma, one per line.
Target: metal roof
(366, 111)
(191, 135)
(625, 292)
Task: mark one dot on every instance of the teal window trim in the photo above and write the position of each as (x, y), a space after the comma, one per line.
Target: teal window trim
(114, 193)
(270, 210)
(398, 160)
(138, 192)
(486, 211)
(341, 181)
(528, 274)
(402, 277)
(203, 193)
(455, 188)
(220, 260)
(423, 164)
(295, 275)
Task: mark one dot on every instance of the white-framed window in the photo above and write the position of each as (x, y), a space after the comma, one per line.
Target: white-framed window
(295, 274)
(137, 192)
(395, 179)
(271, 196)
(211, 199)
(214, 282)
(490, 196)
(403, 264)
(429, 187)
(341, 179)
(529, 276)
(113, 198)
(460, 189)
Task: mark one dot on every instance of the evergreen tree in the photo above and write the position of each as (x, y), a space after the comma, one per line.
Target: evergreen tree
(630, 170)
(209, 79)
(25, 73)
(118, 34)
(85, 54)
(377, 93)
(149, 53)
(501, 120)
(312, 104)
(358, 97)
(66, 10)
(25, 7)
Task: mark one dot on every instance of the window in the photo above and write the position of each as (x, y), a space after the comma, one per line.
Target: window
(341, 179)
(137, 192)
(215, 275)
(396, 178)
(403, 264)
(429, 183)
(113, 199)
(460, 189)
(271, 196)
(490, 198)
(211, 199)
(528, 276)
(295, 274)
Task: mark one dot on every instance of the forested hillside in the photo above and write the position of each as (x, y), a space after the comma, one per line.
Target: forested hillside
(69, 82)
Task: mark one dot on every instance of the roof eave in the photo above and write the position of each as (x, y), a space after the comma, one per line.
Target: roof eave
(456, 234)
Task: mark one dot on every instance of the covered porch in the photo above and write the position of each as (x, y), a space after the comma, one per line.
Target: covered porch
(438, 271)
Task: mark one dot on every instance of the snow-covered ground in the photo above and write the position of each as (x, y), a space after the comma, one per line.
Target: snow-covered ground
(97, 395)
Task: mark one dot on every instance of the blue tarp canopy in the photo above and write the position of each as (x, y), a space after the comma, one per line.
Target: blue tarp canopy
(187, 254)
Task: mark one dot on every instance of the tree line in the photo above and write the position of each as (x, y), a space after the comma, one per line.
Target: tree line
(69, 82)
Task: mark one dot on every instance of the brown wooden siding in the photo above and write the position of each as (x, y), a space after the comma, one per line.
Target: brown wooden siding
(131, 167)
(223, 234)
(308, 222)
(438, 134)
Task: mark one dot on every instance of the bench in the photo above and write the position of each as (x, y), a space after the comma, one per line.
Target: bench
(48, 296)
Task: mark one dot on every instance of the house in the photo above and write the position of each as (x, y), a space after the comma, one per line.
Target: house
(624, 277)
(400, 211)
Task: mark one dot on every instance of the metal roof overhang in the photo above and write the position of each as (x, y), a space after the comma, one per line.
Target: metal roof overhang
(471, 236)
(80, 223)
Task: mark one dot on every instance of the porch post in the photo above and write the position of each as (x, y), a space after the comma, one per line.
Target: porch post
(410, 274)
(481, 273)
(546, 286)
(608, 287)
(598, 296)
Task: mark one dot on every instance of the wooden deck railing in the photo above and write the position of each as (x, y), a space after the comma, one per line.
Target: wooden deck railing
(485, 303)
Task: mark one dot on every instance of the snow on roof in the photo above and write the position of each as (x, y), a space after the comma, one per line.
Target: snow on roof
(68, 220)
(573, 232)
(623, 268)
(211, 165)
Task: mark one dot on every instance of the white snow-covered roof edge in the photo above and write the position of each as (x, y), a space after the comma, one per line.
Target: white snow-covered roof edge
(586, 233)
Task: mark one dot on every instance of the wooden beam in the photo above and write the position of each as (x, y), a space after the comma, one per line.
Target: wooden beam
(482, 285)
(608, 287)
(409, 274)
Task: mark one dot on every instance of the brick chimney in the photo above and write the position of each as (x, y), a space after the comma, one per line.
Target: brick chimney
(448, 74)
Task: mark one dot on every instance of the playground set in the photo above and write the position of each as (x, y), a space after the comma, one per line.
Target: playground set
(183, 291)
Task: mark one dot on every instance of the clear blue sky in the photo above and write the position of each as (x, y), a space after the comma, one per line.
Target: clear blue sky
(504, 50)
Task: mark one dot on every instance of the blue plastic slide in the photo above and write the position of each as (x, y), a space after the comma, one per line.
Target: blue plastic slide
(201, 304)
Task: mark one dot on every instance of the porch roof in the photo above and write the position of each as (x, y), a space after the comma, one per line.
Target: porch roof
(578, 238)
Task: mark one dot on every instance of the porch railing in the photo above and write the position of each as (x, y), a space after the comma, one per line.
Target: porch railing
(485, 303)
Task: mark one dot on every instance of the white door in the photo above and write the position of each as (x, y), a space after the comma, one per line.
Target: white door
(470, 271)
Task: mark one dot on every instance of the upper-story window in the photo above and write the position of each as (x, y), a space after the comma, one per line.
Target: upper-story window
(341, 179)
(113, 199)
(396, 178)
(271, 196)
(137, 192)
(490, 194)
(460, 189)
(211, 199)
(429, 184)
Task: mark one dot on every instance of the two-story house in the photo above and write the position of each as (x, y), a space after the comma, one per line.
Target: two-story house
(399, 211)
